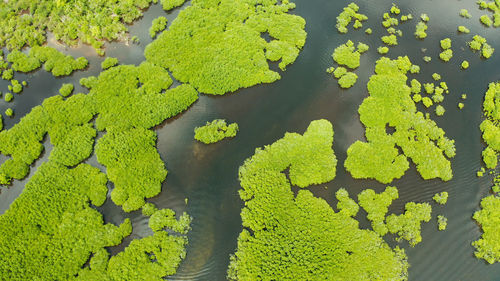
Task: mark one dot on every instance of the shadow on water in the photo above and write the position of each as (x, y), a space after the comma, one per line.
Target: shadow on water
(207, 174)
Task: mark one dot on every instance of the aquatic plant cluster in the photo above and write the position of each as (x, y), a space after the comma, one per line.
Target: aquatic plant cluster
(215, 131)
(349, 14)
(487, 246)
(347, 55)
(124, 103)
(222, 60)
(301, 237)
(390, 105)
(494, 7)
(92, 22)
(479, 43)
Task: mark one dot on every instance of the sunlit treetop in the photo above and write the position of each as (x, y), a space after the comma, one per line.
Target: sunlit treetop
(216, 46)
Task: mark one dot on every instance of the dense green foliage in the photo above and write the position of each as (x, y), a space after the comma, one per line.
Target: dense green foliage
(494, 7)
(8, 97)
(390, 104)
(109, 62)
(215, 131)
(348, 55)
(198, 49)
(376, 206)
(465, 64)
(479, 43)
(464, 13)
(446, 55)
(50, 230)
(9, 112)
(288, 237)
(442, 222)
(420, 30)
(407, 225)
(66, 89)
(54, 61)
(348, 80)
(487, 247)
(92, 22)
(349, 14)
(463, 29)
(441, 198)
(158, 25)
(445, 43)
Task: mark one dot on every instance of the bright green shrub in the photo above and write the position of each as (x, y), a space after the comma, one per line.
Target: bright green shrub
(109, 62)
(159, 24)
(66, 89)
(216, 60)
(389, 103)
(215, 131)
(288, 237)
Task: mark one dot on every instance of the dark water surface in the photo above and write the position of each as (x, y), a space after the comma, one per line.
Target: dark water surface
(207, 174)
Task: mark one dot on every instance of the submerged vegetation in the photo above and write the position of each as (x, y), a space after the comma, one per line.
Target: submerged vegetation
(215, 131)
(390, 105)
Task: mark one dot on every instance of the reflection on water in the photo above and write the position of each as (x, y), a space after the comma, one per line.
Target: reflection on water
(207, 174)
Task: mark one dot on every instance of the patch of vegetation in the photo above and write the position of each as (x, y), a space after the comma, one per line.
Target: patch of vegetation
(349, 14)
(54, 61)
(215, 131)
(319, 243)
(442, 222)
(464, 13)
(390, 104)
(216, 60)
(479, 43)
(27, 22)
(463, 29)
(8, 97)
(348, 80)
(376, 206)
(487, 247)
(348, 55)
(66, 89)
(159, 24)
(493, 7)
(446, 55)
(441, 198)
(382, 50)
(109, 62)
(407, 226)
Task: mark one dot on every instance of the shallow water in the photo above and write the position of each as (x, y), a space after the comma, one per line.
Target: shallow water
(207, 174)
